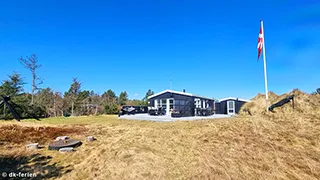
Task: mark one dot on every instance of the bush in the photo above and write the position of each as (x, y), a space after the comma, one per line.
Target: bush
(111, 109)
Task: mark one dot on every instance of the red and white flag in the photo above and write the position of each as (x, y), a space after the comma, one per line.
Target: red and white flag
(260, 42)
(261, 48)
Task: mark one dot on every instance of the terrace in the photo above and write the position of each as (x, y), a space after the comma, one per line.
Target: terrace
(167, 118)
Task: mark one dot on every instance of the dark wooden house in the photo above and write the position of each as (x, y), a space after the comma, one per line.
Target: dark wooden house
(229, 105)
(175, 101)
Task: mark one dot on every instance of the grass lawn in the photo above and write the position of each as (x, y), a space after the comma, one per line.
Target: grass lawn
(234, 148)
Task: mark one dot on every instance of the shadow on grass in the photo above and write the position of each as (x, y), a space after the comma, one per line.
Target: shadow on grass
(36, 163)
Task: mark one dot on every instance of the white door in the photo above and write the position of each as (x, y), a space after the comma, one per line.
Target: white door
(156, 103)
(231, 107)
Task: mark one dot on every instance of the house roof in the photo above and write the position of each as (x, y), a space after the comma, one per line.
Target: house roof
(178, 92)
(233, 98)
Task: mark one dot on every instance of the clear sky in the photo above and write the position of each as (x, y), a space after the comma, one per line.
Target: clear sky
(208, 47)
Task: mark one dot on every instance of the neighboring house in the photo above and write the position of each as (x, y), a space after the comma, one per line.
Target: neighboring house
(229, 105)
(185, 103)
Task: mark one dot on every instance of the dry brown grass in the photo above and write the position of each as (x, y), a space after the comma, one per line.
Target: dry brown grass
(245, 147)
(305, 105)
(16, 134)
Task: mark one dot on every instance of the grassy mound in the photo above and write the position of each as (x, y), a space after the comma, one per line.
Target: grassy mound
(305, 105)
(242, 147)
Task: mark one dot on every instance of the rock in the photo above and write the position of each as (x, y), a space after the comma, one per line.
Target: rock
(2, 142)
(33, 146)
(66, 149)
(90, 138)
(62, 138)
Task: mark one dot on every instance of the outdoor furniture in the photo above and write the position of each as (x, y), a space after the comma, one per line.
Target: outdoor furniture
(152, 112)
(175, 114)
(132, 110)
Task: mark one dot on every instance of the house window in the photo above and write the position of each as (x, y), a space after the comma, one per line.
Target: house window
(171, 104)
(197, 103)
(163, 103)
(179, 105)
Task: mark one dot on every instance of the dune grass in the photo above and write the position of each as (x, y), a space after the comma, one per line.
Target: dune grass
(244, 147)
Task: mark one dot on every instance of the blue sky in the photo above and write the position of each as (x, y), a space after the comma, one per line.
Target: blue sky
(208, 48)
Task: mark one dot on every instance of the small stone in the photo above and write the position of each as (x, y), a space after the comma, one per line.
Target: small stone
(66, 149)
(33, 146)
(2, 142)
(90, 138)
(62, 138)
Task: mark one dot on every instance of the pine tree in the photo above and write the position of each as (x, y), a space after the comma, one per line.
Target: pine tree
(73, 94)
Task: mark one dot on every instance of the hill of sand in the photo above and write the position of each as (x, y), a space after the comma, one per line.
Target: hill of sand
(305, 105)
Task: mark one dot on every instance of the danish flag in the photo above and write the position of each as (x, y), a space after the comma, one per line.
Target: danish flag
(260, 42)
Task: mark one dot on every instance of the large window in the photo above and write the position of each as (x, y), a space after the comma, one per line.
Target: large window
(179, 105)
(176, 106)
(162, 103)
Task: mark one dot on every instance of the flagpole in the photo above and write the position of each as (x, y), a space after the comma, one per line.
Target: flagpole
(265, 65)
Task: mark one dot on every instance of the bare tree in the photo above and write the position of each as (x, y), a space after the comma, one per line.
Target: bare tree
(31, 63)
(44, 98)
(58, 104)
(54, 105)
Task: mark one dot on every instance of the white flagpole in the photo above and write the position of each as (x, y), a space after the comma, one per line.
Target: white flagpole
(265, 65)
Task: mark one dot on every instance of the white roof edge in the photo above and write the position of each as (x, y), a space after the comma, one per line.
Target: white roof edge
(177, 92)
(203, 97)
(157, 94)
(233, 98)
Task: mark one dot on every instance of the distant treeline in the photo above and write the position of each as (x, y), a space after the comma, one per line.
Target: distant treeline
(45, 102)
